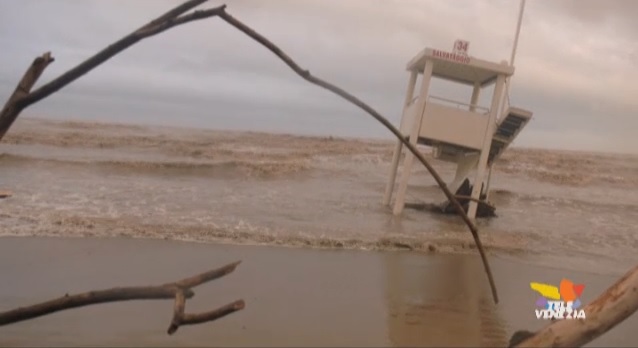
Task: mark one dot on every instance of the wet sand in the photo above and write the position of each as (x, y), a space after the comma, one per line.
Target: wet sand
(294, 296)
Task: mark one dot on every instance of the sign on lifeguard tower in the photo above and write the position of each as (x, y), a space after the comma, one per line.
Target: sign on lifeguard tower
(471, 135)
(461, 47)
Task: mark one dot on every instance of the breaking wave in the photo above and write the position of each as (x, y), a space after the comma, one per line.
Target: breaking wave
(244, 233)
(285, 153)
(327, 193)
(223, 168)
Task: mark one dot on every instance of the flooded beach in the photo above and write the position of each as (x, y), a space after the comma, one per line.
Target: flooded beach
(237, 194)
(92, 179)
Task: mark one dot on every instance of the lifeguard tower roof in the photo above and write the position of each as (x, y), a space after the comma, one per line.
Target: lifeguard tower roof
(459, 68)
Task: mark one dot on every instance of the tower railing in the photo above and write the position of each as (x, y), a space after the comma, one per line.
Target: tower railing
(460, 105)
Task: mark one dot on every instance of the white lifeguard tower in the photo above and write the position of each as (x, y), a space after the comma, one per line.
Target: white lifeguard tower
(467, 134)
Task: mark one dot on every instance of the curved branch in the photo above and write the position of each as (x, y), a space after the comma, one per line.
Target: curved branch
(11, 110)
(305, 74)
(202, 278)
(198, 318)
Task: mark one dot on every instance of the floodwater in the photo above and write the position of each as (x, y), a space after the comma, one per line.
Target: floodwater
(90, 179)
(146, 190)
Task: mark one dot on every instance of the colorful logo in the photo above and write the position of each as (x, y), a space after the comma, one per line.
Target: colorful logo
(559, 302)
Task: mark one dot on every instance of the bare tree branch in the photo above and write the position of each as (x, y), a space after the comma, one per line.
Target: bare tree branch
(10, 111)
(180, 318)
(196, 15)
(613, 306)
(180, 290)
(197, 318)
(22, 98)
(208, 276)
(153, 28)
(173, 13)
(305, 74)
(178, 312)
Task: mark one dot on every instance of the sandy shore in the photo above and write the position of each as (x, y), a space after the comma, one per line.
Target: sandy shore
(294, 297)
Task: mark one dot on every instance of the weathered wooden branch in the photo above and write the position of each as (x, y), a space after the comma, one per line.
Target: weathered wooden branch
(156, 26)
(613, 306)
(11, 110)
(22, 97)
(180, 290)
(180, 318)
(305, 74)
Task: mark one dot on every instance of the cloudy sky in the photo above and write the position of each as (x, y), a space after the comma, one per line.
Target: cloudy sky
(576, 66)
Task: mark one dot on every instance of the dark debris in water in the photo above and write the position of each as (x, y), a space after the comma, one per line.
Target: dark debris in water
(485, 209)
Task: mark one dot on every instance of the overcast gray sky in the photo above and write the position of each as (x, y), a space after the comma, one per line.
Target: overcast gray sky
(576, 67)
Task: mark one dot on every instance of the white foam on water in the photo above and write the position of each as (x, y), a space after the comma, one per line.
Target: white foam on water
(208, 186)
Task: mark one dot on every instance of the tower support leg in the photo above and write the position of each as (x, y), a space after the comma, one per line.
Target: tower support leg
(405, 178)
(487, 143)
(396, 156)
(414, 136)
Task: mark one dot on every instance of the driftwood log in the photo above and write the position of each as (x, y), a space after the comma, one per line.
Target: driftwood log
(179, 290)
(23, 97)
